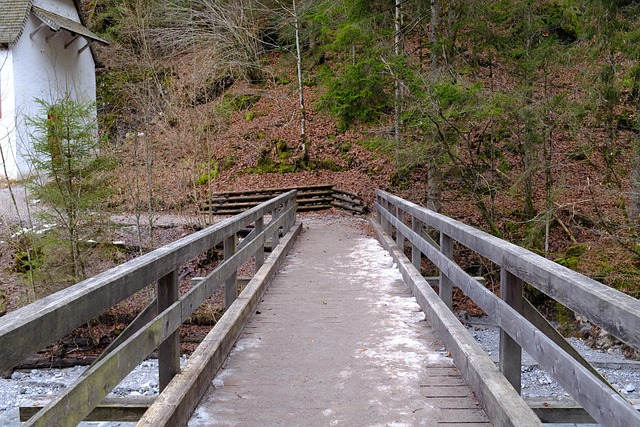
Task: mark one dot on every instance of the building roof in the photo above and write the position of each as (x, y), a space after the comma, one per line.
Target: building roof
(57, 22)
(12, 19)
(15, 13)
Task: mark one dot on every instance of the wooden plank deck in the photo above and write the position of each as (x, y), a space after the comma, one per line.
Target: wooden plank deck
(339, 340)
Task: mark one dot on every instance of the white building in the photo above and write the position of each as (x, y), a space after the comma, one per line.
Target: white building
(45, 53)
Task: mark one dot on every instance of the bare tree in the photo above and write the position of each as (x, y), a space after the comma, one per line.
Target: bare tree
(294, 14)
(225, 32)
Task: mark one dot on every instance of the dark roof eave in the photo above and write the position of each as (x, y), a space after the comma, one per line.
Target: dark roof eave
(57, 22)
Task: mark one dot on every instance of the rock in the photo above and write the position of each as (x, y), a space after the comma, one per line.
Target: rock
(630, 388)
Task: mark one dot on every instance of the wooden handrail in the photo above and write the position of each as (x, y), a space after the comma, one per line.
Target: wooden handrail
(613, 311)
(26, 330)
(610, 309)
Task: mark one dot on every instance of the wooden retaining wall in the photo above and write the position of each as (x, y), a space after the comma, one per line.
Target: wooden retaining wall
(309, 198)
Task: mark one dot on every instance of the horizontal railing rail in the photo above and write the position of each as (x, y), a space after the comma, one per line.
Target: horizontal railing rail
(28, 329)
(612, 310)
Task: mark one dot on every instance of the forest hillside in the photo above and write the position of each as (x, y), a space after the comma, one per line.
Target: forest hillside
(519, 117)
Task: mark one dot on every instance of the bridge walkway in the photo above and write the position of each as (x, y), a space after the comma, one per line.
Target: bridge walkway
(338, 340)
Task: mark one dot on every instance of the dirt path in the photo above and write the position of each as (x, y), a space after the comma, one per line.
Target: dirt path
(25, 208)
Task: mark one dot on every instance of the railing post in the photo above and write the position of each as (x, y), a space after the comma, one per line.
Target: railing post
(399, 237)
(445, 285)
(291, 218)
(287, 223)
(231, 284)
(275, 239)
(169, 351)
(510, 363)
(387, 224)
(378, 213)
(416, 255)
(259, 256)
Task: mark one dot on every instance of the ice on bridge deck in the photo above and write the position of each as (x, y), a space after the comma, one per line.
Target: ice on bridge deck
(338, 340)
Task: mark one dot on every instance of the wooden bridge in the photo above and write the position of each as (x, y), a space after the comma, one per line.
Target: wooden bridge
(337, 337)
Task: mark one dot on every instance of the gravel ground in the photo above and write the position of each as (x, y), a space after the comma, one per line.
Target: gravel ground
(37, 386)
(621, 373)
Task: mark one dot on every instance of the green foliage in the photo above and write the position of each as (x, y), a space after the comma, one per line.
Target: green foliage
(582, 152)
(250, 115)
(351, 37)
(357, 94)
(401, 180)
(571, 257)
(267, 165)
(345, 147)
(107, 21)
(561, 18)
(240, 102)
(325, 164)
(283, 151)
(208, 175)
(380, 145)
(29, 253)
(210, 171)
(273, 158)
(228, 162)
(282, 80)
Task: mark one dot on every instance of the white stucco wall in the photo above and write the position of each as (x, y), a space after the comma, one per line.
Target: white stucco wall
(46, 70)
(7, 112)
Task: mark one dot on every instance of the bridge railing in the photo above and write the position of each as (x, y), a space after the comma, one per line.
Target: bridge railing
(522, 327)
(30, 328)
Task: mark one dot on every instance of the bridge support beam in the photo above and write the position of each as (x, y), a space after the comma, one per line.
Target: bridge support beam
(510, 362)
(169, 351)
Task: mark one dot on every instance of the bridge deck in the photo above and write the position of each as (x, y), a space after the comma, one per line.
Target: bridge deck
(338, 340)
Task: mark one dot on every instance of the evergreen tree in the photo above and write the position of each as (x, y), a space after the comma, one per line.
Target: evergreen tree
(71, 178)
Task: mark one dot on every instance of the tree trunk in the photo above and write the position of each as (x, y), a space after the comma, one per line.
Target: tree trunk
(303, 114)
(433, 35)
(396, 101)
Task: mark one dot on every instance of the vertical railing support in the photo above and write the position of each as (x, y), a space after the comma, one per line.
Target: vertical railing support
(169, 351)
(388, 228)
(399, 237)
(275, 239)
(291, 216)
(231, 284)
(416, 255)
(259, 256)
(510, 363)
(445, 285)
